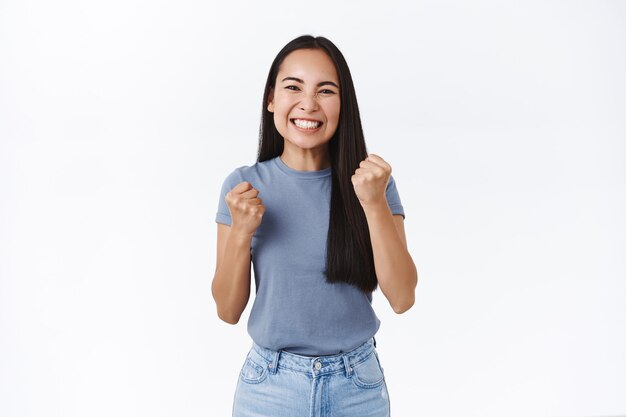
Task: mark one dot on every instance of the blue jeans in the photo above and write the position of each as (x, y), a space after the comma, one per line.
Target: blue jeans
(283, 384)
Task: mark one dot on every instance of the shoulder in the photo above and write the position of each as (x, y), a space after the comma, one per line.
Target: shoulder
(253, 173)
(394, 200)
(392, 187)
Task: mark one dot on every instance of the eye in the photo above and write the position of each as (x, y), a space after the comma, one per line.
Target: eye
(289, 87)
(327, 91)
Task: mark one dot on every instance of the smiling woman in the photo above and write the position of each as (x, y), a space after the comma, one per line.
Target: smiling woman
(305, 103)
(328, 231)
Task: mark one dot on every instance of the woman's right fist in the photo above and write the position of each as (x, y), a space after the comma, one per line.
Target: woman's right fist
(246, 209)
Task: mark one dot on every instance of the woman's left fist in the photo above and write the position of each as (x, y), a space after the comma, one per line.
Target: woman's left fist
(370, 180)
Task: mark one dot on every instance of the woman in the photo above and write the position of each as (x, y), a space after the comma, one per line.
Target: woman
(327, 231)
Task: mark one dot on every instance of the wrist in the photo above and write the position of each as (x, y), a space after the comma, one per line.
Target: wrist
(240, 235)
(379, 207)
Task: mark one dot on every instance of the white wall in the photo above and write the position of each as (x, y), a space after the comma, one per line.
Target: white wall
(503, 122)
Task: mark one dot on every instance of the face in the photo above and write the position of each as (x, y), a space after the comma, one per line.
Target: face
(305, 101)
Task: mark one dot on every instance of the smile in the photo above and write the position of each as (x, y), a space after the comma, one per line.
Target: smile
(308, 125)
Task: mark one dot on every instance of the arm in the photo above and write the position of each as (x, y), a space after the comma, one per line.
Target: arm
(231, 282)
(395, 270)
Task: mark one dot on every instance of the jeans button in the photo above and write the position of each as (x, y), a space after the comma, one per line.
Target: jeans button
(318, 365)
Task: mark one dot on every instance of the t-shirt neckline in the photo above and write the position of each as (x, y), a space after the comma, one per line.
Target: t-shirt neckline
(301, 174)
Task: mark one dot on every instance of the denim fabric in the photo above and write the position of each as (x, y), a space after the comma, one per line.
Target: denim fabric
(283, 384)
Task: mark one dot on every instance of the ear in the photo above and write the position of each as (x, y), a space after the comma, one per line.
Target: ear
(270, 104)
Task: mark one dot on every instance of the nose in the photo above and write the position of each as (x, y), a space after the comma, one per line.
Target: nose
(309, 103)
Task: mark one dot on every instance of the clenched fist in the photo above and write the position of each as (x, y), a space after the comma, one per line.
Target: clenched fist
(370, 180)
(246, 209)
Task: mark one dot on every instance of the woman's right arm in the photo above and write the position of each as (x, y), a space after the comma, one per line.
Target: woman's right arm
(231, 283)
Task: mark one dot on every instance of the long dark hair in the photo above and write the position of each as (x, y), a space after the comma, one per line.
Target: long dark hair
(349, 256)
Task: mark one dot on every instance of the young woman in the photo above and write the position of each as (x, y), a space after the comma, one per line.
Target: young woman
(321, 222)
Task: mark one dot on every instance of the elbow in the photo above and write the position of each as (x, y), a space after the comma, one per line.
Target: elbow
(407, 302)
(228, 317)
(224, 313)
(404, 306)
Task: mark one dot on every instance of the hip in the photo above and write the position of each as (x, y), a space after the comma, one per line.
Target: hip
(276, 383)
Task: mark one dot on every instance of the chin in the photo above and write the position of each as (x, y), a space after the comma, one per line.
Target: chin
(308, 144)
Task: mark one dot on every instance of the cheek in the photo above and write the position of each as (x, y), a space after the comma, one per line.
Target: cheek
(334, 111)
(279, 109)
(282, 106)
(279, 121)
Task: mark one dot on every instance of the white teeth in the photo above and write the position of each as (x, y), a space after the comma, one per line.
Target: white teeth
(306, 124)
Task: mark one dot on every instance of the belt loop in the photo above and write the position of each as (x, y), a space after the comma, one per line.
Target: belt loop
(273, 366)
(346, 363)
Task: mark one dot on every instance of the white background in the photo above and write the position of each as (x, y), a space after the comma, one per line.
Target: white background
(503, 122)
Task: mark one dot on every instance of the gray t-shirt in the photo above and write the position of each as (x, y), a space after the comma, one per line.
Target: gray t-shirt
(295, 309)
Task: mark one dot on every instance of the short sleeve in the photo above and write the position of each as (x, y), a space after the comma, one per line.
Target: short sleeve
(223, 213)
(393, 197)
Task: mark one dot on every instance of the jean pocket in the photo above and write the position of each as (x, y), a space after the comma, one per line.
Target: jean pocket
(254, 369)
(368, 373)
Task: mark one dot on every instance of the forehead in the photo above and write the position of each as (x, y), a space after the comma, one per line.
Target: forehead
(312, 64)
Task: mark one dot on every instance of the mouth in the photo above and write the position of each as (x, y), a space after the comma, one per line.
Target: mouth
(306, 125)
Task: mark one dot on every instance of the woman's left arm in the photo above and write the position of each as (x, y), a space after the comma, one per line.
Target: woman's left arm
(395, 269)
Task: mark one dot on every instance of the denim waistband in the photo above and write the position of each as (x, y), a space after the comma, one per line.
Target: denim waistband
(316, 365)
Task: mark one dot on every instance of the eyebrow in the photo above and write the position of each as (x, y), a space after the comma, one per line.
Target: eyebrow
(302, 82)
